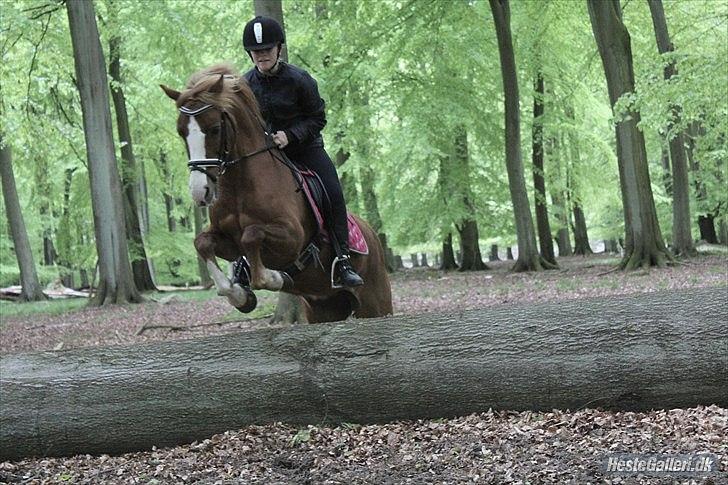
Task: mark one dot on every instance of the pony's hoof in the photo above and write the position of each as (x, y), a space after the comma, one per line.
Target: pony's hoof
(251, 302)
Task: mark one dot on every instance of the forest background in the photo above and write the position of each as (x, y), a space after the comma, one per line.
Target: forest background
(415, 103)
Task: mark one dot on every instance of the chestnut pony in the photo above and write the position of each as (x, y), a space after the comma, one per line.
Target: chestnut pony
(258, 210)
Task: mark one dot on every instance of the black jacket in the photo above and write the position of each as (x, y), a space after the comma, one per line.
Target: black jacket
(289, 101)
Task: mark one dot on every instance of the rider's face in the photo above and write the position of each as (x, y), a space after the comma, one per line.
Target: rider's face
(265, 59)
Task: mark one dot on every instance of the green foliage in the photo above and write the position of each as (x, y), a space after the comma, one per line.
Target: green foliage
(402, 81)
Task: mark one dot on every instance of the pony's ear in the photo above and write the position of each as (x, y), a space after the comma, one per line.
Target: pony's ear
(217, 87)
(170, 92)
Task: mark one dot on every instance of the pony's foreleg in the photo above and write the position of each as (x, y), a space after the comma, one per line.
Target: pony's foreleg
(207, 245)
(260, 276)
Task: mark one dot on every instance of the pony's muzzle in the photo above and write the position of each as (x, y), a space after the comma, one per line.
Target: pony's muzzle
(201, 191)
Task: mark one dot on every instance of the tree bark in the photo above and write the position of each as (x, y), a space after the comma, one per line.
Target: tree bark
(558, 200)
(32, 290)
(666, 172)
(581, 238)
(528, 256)
(682, 238)
(573, 190)
(636, 352)
(371, 208)
(706, 220)
(116, 284)
(723, 231)
(348, 183)
(472, 259)
(644, 245)
(493, 253)
(139, 262)
(448, 255)
(539, 185)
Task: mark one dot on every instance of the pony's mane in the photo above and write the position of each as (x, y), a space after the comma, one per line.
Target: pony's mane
(236, 96)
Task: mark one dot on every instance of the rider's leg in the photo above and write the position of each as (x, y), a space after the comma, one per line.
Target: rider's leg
(318, 160)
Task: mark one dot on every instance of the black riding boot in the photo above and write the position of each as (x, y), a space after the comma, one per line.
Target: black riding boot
(345, 273)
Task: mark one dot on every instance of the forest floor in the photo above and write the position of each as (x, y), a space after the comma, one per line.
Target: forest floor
(493, 447)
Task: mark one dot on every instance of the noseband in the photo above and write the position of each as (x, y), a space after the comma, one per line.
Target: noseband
(223, 161)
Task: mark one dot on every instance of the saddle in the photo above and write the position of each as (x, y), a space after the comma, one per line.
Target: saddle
(318, 202)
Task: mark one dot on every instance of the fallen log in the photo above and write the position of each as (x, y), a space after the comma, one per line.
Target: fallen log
(636, 352)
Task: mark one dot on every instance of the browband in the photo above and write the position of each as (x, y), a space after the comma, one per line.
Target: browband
(193, 112)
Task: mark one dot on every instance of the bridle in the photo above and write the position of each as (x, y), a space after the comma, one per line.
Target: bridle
(223, 161)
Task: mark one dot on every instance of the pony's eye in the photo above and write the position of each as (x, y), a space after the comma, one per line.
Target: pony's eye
(215, 130)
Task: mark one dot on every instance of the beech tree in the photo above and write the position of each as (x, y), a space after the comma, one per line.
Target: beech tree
(528, 256)
(32, 290)
(644, 246)
(539, 185)
(116, 284)
(682, 239)
(139, 263)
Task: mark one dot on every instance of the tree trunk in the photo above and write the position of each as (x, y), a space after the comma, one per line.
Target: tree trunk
(528, 256)
(706, 224)
(682, 239)
(49, 249)
(723, 231)
(509, 253)
(139, 262)
(581, 238)
(65, 237)
(644, 245)
(144, 204)
(199, 217)
(472, 259)
(558, 200)
(539, 185)
(448, 255)
(573, 190)
(493, 253)
(168, 198)
(371, 208)
(388, 254)
(666, 172)
(116, 284)
(348, 183)
(467, 227)
(32, 290)
(636, 352)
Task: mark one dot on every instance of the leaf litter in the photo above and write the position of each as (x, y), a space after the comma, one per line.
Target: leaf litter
(499, 447)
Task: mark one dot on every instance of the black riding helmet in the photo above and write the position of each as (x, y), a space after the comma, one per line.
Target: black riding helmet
(262, 33)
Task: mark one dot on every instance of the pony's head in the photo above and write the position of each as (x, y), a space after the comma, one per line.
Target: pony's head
(217, 110)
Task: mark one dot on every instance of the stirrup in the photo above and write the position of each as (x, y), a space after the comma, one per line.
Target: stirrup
(336, 261)
(241, 272)
(343, 260)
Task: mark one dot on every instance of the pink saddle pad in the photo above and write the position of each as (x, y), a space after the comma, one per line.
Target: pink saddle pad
(357, 243)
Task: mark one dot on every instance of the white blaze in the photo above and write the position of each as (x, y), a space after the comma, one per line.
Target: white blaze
(196, 146)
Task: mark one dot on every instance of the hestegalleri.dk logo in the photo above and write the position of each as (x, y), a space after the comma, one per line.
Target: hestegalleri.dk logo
(660, 464)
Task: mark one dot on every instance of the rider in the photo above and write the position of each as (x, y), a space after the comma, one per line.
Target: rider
(291, 106)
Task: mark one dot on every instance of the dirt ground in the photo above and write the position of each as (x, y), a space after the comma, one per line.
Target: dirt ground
(492, 447)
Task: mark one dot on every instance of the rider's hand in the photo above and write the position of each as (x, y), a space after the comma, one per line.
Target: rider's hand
(280, 139)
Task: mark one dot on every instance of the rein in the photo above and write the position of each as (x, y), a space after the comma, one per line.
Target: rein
(223, 161)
